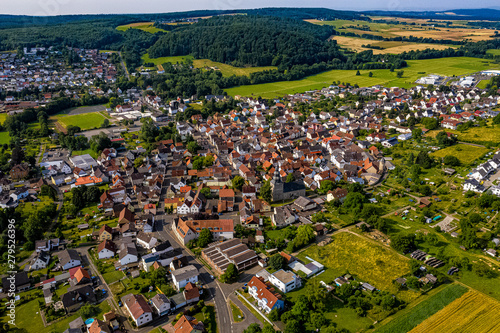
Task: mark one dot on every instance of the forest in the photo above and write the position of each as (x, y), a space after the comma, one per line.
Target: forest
(250, 40)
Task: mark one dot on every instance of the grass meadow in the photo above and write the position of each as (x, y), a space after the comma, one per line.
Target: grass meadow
(84, 121)
(144, 26)
(416, 69)
(479, 135)
(465, 153)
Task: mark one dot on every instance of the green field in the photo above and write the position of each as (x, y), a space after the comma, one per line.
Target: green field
(226, 70)
(144, 26)
(479, 135)
(465, 153)
(415, 70)
(482, 84)
(84, 121)
(408, 319)
(494, 51)
(365, 259)
(4, 137)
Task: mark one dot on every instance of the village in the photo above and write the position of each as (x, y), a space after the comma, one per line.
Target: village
(228, 210)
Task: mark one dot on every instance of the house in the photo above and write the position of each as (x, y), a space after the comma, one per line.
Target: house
(161, 304)
(19, 171)
(337, 194)
(69, 259)
(138, 308)
(128, 254)
(105, 233)
(264, 294)
(40, 261)
(473, 185)
(126, 216)
(106, 249)
(182, 276)
(186, 230)
(42, 245)
(80, 276)
(20, 281)
(304, 203)
(74, 299)
(186, 324)
(282, 217)
(191, 293)
(285, 281)
(98, 326)
(146, 240)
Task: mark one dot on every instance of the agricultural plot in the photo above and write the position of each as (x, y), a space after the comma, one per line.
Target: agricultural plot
(226, 70)
(144, 26)
(473, 312)
(363, 258)
(84, 121)
(411, 317)
(416, 69)
(359, 45)
(454, 32)
(465, 153)
(480, 135)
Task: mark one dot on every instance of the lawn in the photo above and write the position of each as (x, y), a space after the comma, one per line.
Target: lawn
(479, 135)
(363, 258)
(3, 117)
(4, 138)
(113, 276)
(226, 70)
(473, 312)
(483, 84)
(84, 121)
(494, 52)
(237, 313)
(467, 154)
(410, 318)
(415, 70)
(144, 26)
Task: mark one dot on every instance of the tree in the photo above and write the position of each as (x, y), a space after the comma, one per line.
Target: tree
(482, 269)
(432, 239)
(138, 162)
(277, 262)
(293, 326)
(193, 147)
(413, 282)
(416, 133)
(300, 309)
(159, 276)
(105, 123)
(206, 192)
(231, 274)
(266, 192)
(305, 235)
(370, 74)
(358, 73)
(274, 315)
(204, 238)
(400, 74)
(89, 310)
(290, 178)
(451, 160)
(253, 328)
(267, 327)
(318, 320)
(424, 160)
(354, 200)
(403, 243)
(238, 182)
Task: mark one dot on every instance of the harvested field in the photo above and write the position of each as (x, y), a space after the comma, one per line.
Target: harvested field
(473, 312)
(356, 44)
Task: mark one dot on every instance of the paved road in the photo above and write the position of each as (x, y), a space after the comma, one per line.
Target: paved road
(124, 66)
(163, 225)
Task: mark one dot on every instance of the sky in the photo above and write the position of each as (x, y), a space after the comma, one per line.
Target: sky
(63, 7)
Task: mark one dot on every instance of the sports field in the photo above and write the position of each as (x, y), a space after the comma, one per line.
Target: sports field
(359, 45)
(84, 121)
(415, 70)
(465, 153)
(226, 70)
(473, 312)
(144, 26)
(367, 260)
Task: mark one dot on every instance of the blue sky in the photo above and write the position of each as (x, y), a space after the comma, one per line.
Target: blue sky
(61, 7)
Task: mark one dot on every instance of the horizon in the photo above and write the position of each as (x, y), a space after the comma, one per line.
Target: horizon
(115, 7)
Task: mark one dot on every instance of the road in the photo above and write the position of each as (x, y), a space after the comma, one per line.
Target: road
(163, 225)
(127, 74)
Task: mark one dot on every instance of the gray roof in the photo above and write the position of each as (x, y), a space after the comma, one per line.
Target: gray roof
(159, 299)
(68, 255)
(185, 273)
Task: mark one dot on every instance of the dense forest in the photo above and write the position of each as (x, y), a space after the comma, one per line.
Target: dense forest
(250, 40)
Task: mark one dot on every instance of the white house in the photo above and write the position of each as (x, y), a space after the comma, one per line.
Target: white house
(138, 308)
(128, 254)
(41, 261)
(161, 304)
(106, 249)
(69, 259)
(184, 275)
(285, 281)
(146, 240)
